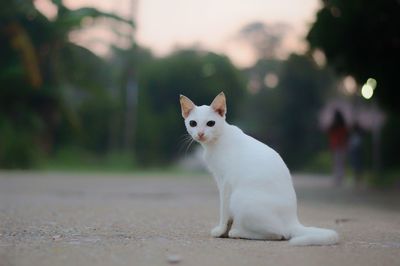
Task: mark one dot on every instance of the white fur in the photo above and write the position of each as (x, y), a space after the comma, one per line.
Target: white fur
(255, 185)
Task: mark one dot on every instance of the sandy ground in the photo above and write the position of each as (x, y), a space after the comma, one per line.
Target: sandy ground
(69, 219)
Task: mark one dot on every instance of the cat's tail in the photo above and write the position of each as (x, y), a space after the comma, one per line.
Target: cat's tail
(308, 236)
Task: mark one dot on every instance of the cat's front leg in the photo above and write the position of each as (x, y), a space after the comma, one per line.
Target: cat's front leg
(222, 228)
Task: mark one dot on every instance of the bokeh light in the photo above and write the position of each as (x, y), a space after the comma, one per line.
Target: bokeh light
(319, 57)
(372, 82)
(349, 85)
(367, 91)
(271, 80)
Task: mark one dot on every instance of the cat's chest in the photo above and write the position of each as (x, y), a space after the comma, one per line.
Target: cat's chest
(222, 161)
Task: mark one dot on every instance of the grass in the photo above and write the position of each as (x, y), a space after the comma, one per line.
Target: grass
(77, 160)
(389, 179)
(320, 163)
(74, 159)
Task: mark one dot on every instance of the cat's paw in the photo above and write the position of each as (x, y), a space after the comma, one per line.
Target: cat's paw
(218, 231)
(234, 233)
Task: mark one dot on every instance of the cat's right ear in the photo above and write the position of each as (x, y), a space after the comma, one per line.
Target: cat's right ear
(186, 105)
(219, 104)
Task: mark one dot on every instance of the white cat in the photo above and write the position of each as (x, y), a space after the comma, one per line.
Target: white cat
(255, 186)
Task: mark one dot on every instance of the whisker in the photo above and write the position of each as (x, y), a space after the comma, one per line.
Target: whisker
(182, 143)
(183, 136)
(190, 143)
(184, 139)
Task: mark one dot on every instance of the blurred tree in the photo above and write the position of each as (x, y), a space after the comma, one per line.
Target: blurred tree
(198, 75)
(126, 65)
(265, 39)
(45, 78)
(362, 38)
(261, 103)
(285, 115)
(303, 90)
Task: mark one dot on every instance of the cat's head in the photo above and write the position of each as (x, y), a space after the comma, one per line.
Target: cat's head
(204, 123)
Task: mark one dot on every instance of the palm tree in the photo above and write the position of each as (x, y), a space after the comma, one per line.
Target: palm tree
(43, 75)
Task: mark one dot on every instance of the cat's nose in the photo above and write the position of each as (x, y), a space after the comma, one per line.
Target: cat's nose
(200, 134)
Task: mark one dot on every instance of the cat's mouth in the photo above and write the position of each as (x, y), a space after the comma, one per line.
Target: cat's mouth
(201, 139)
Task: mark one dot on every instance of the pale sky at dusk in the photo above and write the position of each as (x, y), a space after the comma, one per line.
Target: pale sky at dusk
(163, 25)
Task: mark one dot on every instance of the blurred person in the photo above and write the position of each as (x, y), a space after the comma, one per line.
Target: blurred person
(356, 153)
(338, 139)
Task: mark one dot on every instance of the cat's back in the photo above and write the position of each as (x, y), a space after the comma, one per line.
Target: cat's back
(257, 164)
(250, 146)
(240, 153)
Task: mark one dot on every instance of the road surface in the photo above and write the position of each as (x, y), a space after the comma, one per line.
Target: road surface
(104, 219)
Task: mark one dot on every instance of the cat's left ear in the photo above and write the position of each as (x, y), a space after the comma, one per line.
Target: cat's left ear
(186, 105)
(219, 104)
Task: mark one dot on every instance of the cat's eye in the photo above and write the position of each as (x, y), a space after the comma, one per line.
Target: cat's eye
(211, 123)
(192, 123)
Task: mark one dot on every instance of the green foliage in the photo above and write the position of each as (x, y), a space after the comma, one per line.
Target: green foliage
(16, 145)
(389, 179)
(77, 159)
(285, 117)
(391, 143)
(200, 76)
(57, 95)
(361, 38)
(23, 130)
(320, 162)
(53, 92)
(259, 112)
(303, 88)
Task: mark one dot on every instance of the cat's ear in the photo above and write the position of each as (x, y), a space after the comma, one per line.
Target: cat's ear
(186, 105)
(219, 104)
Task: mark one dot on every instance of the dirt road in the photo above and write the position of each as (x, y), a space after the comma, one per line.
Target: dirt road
(69, 219)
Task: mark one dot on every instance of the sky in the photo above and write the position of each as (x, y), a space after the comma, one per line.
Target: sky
(165, 25)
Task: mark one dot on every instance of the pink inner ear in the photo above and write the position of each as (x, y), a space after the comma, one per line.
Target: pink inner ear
(187, 112)
(220, 111)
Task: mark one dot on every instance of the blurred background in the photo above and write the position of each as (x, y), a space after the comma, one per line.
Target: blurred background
(94, 85)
